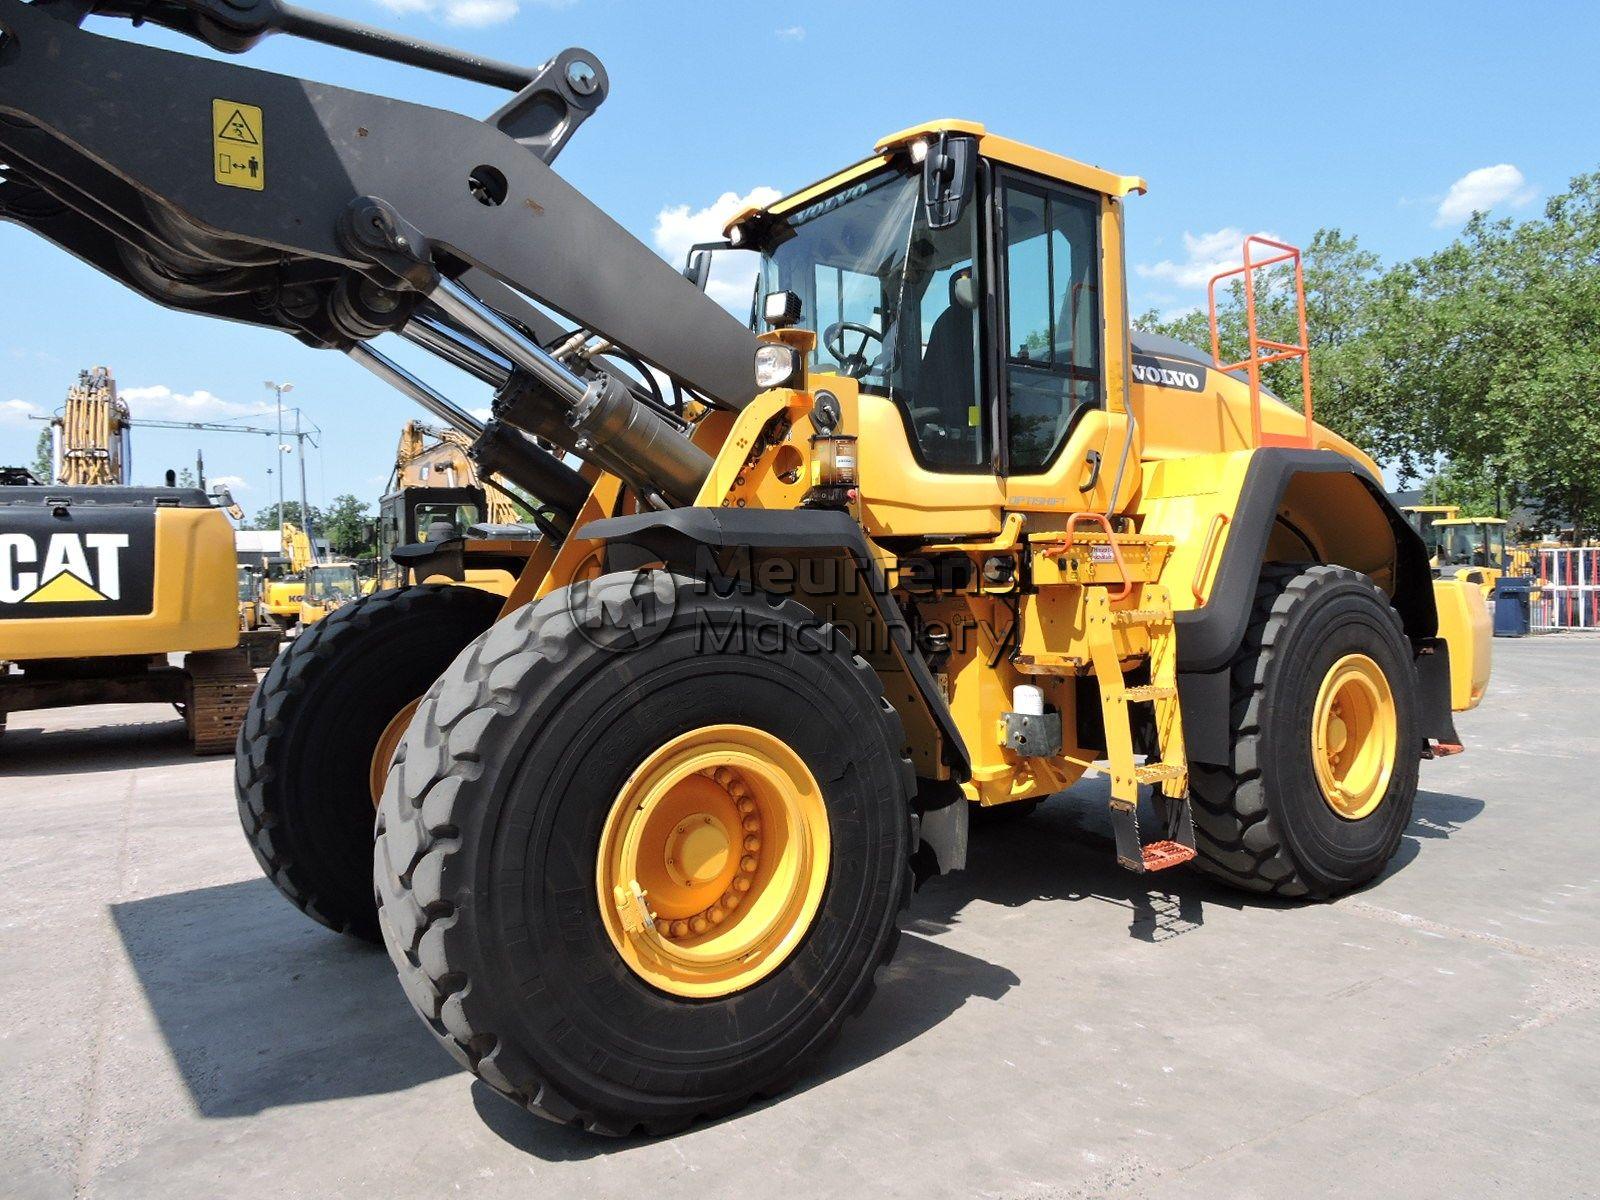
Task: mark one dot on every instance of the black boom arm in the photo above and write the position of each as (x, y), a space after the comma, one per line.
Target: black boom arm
(337, 215)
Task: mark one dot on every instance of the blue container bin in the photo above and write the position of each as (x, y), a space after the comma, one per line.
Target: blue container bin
(1512, 596)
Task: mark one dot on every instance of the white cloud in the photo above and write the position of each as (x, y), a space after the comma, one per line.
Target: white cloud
(468, 14)
(1482, 190)
(161, 402)
(17, 412)
(732, 274)
(1205, 255)
(234, 483)
(791, 33)
(474, 14)
(483, 414)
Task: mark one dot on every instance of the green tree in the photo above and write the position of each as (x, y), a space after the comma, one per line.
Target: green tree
(43, 464)
(1487, 349)
(267, 518)
(346, 525)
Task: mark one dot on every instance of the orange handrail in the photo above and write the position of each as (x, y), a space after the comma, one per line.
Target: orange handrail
(1111, 536)
(1276, 351)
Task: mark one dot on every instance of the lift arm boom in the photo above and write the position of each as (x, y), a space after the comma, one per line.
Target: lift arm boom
(358, 205)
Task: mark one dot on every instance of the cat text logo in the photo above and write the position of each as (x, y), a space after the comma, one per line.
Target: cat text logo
(72, 568)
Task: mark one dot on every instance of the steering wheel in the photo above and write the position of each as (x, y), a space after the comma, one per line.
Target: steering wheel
(855, 364)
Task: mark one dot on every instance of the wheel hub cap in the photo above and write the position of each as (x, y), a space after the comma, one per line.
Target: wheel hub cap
(713, 861)
(1354, 736)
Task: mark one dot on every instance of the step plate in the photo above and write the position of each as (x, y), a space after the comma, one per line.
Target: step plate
(1158, 856)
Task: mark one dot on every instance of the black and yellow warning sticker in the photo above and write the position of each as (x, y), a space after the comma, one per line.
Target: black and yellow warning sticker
(238, 145)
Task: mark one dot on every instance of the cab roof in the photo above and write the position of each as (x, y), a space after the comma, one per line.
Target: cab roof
(992, 146)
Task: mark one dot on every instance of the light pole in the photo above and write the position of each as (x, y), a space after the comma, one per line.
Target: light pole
(280, 389)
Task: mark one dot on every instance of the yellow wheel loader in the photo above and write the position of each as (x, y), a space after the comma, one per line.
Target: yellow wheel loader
(328, 587)
(932, 532)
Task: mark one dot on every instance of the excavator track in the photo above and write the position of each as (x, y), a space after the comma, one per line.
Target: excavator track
(221, 683)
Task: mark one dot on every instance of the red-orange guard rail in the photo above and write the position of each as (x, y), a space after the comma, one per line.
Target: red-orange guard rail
(1278, 351)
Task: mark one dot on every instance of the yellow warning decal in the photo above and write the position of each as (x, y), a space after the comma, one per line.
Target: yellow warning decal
(238, 145)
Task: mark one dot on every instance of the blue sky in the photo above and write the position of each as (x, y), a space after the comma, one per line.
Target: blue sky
(1390, 120)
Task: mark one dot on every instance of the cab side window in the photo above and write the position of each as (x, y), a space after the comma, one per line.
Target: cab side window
(1052, 365)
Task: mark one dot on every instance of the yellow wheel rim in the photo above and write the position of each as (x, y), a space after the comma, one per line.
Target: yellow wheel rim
(713, 861)
(1354, 736)
(388, 746)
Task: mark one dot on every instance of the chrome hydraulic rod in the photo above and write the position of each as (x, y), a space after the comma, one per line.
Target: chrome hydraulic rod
(404, 381)
(498, 448)
(444, 342)
(611, 425)
(484, 324)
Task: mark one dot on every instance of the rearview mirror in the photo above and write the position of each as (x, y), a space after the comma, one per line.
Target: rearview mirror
(697, 268)
(225, 500)
(947, 174)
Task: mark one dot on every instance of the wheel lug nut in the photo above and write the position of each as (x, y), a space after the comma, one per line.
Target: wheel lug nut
(752, 844)
(747, 863)
(747, 805)
(742, 883)
(717, 916)
(751, 824)
(698, 925)
(723, 776)
(680, 929)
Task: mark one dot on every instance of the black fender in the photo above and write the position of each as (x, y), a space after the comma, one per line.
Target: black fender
(1210, 636)
(682, 537)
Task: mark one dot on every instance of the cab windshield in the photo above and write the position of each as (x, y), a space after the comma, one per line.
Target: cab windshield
(894, 304)
(331, 583)
(247, 584)
(1472, 544)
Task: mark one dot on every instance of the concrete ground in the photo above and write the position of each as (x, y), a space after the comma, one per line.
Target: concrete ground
(1052, 1027)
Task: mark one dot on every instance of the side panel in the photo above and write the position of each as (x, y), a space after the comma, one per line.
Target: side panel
(1229, 513)
(81, 582)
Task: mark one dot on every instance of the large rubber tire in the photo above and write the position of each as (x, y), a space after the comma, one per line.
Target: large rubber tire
(1263, 825)
(491, 823)
(303, 755)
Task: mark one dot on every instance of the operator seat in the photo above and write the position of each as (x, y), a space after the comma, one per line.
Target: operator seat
(946, 383)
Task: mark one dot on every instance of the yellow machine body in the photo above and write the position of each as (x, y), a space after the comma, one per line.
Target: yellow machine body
(328, 586)
(60, 580)
(1155, 476)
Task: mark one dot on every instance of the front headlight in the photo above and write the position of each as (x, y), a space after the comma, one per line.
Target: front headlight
(776, 366)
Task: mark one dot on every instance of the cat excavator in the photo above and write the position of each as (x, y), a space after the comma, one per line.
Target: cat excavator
(103, 583)
(932, 532)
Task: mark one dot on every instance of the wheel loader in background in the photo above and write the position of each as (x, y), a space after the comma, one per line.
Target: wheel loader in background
(933, 532)
(436, 491)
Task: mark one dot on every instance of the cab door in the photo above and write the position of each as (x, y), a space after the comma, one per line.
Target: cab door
(1059, 446)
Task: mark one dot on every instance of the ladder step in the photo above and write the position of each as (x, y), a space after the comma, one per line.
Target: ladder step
(1141, 616)
(1177, 847)
(1148, 691)
(1157, 772)
(1158, 856)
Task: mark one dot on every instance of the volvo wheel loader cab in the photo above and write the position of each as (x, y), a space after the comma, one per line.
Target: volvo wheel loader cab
(1473, 549)
(934, 531)
(1425, 519)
